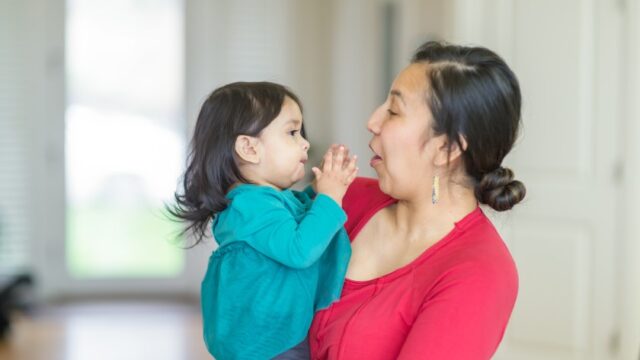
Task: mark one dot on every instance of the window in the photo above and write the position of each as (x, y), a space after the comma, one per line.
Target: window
(125, 136)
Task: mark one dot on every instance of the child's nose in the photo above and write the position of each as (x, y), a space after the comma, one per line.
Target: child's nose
(306, 145)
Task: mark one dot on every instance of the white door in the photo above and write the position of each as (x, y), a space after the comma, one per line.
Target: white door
(564, 236)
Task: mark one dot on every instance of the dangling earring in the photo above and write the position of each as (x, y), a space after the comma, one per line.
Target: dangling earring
(435, 192)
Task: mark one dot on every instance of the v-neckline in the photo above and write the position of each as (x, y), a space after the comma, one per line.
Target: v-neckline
(457, 228)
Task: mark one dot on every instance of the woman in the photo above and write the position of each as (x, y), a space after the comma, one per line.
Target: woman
(430, 277)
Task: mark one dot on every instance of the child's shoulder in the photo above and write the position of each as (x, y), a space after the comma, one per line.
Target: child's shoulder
(247, 209)
(252, 196)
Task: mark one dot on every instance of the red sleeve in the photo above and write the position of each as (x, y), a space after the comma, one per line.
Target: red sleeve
(465, 318)
(362, 199)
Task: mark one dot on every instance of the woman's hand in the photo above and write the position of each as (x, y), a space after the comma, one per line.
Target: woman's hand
(336, 172)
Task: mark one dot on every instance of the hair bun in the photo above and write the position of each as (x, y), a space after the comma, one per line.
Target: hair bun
(498, 189)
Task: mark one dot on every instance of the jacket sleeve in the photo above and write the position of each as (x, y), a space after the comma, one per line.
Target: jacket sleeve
(306, 195)
(269, 227)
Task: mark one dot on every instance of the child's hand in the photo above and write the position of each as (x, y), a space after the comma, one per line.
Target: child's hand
(314, 183)
(336, 173)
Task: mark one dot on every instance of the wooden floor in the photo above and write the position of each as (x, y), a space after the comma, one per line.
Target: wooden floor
(107, 330)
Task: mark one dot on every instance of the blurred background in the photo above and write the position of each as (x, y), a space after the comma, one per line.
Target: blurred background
(98, 100)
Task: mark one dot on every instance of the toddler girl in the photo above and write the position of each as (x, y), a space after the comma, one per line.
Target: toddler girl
(282, 253)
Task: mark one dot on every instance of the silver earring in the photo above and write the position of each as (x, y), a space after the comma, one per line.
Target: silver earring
(435, 191)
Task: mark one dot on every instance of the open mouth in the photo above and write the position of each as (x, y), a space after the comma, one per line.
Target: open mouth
(375, 159)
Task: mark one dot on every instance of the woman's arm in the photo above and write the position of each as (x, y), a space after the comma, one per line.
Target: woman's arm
(465, 318)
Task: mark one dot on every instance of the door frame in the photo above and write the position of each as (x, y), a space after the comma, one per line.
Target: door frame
(47, 107)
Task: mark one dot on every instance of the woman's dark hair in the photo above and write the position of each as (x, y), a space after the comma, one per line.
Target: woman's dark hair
(474, 94)
(241, 108)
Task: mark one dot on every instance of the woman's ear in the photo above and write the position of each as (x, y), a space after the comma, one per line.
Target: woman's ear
(247, 149)
(449, 153)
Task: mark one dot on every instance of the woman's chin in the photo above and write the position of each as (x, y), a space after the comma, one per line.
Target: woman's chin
(383, 181)
(381, 174)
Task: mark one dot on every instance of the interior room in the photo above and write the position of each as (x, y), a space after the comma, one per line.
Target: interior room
(98, 101)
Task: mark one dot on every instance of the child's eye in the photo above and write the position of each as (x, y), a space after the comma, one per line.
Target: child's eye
(293, 132)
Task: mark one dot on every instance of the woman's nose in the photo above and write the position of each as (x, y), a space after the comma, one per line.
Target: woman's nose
(373, 125)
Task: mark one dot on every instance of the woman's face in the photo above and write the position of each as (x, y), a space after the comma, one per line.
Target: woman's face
(402, 136)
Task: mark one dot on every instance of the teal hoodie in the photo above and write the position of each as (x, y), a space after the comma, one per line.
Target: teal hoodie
(282, 256)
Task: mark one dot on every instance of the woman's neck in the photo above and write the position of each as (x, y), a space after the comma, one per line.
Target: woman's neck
(418, 218)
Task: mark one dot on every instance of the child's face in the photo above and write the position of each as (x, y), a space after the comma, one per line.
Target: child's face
(283, 149)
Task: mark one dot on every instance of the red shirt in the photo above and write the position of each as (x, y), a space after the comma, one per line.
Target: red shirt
(452, 302)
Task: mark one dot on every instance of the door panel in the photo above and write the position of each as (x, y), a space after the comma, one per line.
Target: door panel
(563, 236)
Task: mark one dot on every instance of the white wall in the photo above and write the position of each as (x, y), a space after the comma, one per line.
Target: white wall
(630, 250)
(356, 78)
(41, 86)
(359, 81)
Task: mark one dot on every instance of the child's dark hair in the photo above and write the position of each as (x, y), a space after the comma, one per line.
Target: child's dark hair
(241, 108)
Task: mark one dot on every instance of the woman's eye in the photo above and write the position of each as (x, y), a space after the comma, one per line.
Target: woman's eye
(391, 112)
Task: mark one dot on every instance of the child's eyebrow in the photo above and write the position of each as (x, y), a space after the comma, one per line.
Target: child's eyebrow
(294, 121)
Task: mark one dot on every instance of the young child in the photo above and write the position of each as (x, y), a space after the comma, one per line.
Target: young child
(282, 254)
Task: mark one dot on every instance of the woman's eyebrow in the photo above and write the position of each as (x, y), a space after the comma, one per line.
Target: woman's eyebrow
(398, 94)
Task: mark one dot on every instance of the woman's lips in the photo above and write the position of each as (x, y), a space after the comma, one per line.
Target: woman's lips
(374, 160)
